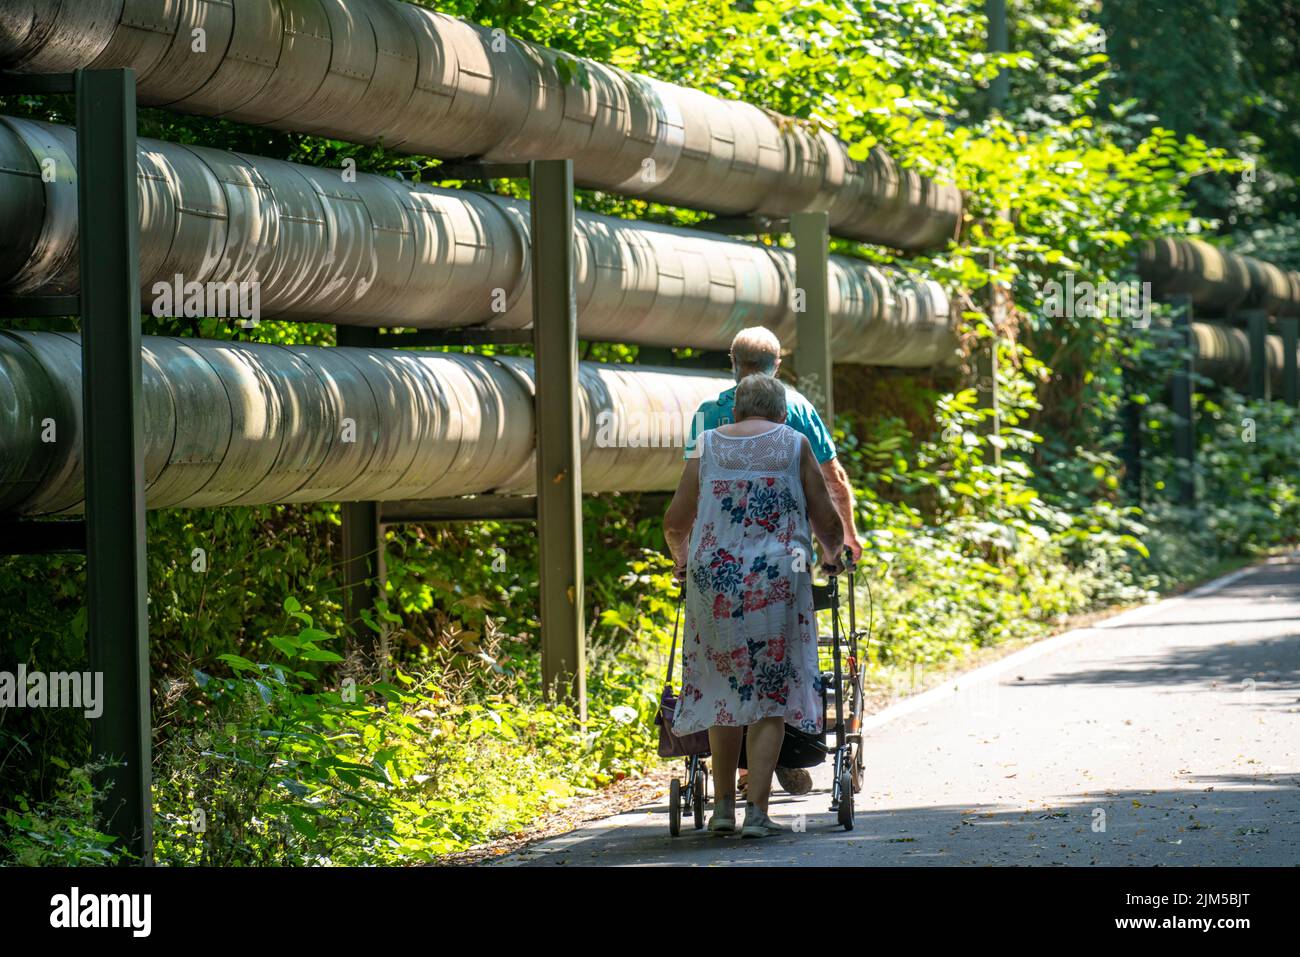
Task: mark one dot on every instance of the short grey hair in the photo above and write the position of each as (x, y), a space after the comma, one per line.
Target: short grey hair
(756, 349)
(760, 395)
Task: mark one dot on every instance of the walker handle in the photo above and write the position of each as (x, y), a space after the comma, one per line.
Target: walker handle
(831, 570)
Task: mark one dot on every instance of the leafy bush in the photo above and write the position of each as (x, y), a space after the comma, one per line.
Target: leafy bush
(57, 832)
(275, 765)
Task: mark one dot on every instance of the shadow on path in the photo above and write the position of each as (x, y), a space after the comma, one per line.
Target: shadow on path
(1261, 665)
(1231, 820)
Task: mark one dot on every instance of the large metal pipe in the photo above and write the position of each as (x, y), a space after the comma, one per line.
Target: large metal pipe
(371, 250)
(415, 80)
(1217, 280)
(1223, 354)
(229, 423)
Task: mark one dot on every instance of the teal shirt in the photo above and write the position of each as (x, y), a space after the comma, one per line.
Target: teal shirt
(800, 416)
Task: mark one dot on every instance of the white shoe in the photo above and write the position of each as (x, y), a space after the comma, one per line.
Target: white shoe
(758, 824)
(723, 818)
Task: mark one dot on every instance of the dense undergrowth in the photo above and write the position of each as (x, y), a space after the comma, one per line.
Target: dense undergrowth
(280, 739)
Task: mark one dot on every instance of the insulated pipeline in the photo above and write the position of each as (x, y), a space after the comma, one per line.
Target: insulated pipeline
(1216, 279)
(418, 81)
(1223, 355)
(229, 423)
(372, 250)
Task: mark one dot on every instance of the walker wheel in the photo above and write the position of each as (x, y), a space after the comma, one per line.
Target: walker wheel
(698, 789)
(846, 800)
(675, 807)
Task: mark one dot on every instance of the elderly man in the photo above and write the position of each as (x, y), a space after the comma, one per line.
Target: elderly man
(758, 350)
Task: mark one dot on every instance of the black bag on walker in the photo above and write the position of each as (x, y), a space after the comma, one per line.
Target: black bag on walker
(798, 750)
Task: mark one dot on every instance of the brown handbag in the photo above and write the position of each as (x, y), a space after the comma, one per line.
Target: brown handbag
(673, 745)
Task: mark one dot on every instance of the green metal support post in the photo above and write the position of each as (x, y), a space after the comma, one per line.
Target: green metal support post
(986, 369)
(363, 538)
(1131, 417)
(1257, 331)
(812, 353)
(1289, 326)
(1181, 387)
(559, 467)
(996, 12)
(363, 563)
(116, 582)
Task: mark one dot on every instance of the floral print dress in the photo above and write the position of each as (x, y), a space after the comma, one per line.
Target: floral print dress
(750, 645)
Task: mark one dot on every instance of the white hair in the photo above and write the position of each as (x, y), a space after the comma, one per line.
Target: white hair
(760, 395)
(756, 349)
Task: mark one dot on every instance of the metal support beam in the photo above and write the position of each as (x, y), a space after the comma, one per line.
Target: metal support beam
(752, 225)
(36, 84)
(116, 583)
(363, 563)
(451, 337)
(986, 368)
(39, 307)
(365, 337)
(812, 352)
(362, 537)
(478, 171)
(996, 11)
(986, 372)
(1257, 331)
(654, 355)
(707, 359)
(1289, 326)
(27, 537)
(559, 476)
(478, 508)
(1181, 388)
(1131, 453)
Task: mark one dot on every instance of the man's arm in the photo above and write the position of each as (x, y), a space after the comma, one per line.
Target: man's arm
(837, 480)
(823, 516)
(837, 483)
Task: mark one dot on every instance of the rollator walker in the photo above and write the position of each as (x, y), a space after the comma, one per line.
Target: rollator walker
(842, 690)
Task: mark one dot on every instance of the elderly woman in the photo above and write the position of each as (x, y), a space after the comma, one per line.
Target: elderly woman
(738, 529)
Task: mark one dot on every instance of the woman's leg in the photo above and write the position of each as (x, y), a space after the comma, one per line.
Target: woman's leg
(724, 742)
(763, 748)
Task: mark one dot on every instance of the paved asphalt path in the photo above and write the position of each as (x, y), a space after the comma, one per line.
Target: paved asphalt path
(1168, 735)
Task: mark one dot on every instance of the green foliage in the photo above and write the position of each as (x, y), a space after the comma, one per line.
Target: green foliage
(56, 832)
(1225, 71)
(1245, 479)
(273, 765)
(976, 535)
(963, 550)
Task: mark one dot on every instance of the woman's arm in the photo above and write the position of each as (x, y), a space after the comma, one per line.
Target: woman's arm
(680, 517)
(822, 514)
